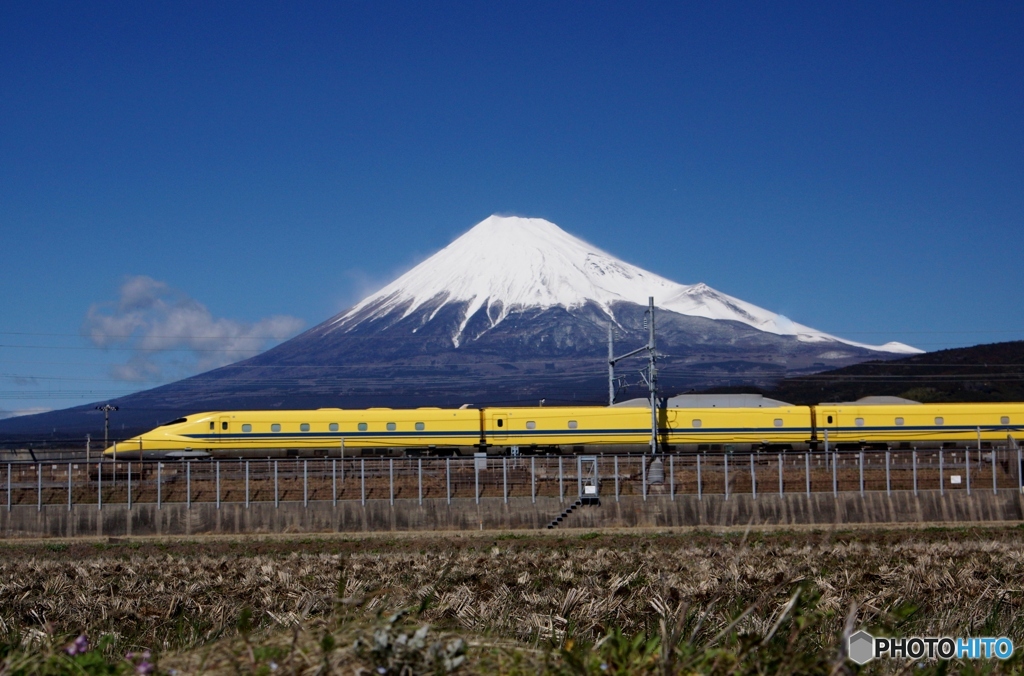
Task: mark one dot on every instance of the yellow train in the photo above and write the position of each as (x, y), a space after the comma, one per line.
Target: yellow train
(333, 432)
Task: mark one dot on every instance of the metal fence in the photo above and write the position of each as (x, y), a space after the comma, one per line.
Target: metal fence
(663, 476)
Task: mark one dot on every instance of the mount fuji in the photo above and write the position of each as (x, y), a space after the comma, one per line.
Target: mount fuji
(514, 311)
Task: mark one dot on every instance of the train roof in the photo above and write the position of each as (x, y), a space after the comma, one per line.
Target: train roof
(711, 401)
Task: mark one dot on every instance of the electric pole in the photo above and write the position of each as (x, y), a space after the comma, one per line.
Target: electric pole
(652, 371)
(106, 408)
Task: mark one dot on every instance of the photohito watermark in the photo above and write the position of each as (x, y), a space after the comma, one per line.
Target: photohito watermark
(862, 647)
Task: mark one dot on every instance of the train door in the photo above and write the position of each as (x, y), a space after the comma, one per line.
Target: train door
(499, 426)
(223, 425)
(828, 423)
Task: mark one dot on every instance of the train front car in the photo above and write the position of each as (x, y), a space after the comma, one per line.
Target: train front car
(891, 423)
(181, 438)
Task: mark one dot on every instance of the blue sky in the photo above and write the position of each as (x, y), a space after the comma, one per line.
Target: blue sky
(253, 168)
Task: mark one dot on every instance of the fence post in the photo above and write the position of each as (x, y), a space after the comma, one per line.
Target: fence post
(753, 479)
(476, 482)
(129, 484)
(994, 486)
(334, 481)
(780, 475)
(419, 474)
(247, 484)
(39, 486)
(807, 473)
(1020, 480)
(888, 485)
(159, 485)
(835, 478)
(216, 469)
(643, 473)
(391, 480)
(913, 464)
(726, 476)
(362, 481)
(579, 476)
(700, 488)
(99, 486)
(277, 495)
(561, 492)
(305, 483)
(533, 480)
(188, 483)
(448, 478)
(616, 478)
(672, 477)
(942, 481)
(69, 486)
(86, 474)
(860, 463)
(504, 478)
(967, 468)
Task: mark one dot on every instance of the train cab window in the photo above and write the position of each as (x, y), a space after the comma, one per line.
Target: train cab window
(501, 423)
(859, 422)
(276, 427)
(362, 427)
(392, 427)
(573, 424)
(939, 421)
(420, 427)
(899, 421)
(531, 425)
(696, 422)
(304, 427)
(778, 422)
(830, 420)
(333, 427)
(1005, 420)
(224, 426)
(246, 427)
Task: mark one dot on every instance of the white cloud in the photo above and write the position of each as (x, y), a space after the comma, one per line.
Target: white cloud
(172, 335)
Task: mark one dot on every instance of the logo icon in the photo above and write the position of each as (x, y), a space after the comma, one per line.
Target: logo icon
(861, 647)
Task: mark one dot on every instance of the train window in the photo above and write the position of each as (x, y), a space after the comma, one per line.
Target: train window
(420, 427)
(696, 422)
(276, 427)
(778, 422)
(1005, 420)
(246, 427)
(859, 422)
(304, 427)
(223, 425)
(899, 421)
(362, 427)
(531, 425)
(391, 427)
(334, 427)
(830, 420)
(939, 421)
(573, 424)
(501, 423)
(211, 424)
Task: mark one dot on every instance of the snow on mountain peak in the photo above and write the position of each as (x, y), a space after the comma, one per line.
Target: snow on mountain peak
(510, 263)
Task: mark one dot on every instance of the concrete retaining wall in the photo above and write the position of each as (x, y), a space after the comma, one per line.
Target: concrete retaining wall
(519, 513)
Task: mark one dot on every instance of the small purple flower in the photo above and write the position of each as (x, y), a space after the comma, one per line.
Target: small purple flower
(144, 667)
(78, 646)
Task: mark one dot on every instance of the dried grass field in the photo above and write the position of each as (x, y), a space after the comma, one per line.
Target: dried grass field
(603, 602)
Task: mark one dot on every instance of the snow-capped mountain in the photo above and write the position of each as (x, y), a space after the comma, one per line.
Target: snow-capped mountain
(514, 311)
(507, 264)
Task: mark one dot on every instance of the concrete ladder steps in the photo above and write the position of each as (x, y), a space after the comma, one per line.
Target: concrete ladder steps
(566, 512)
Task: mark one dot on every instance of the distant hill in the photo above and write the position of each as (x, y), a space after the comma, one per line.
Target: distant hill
(992, 372)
